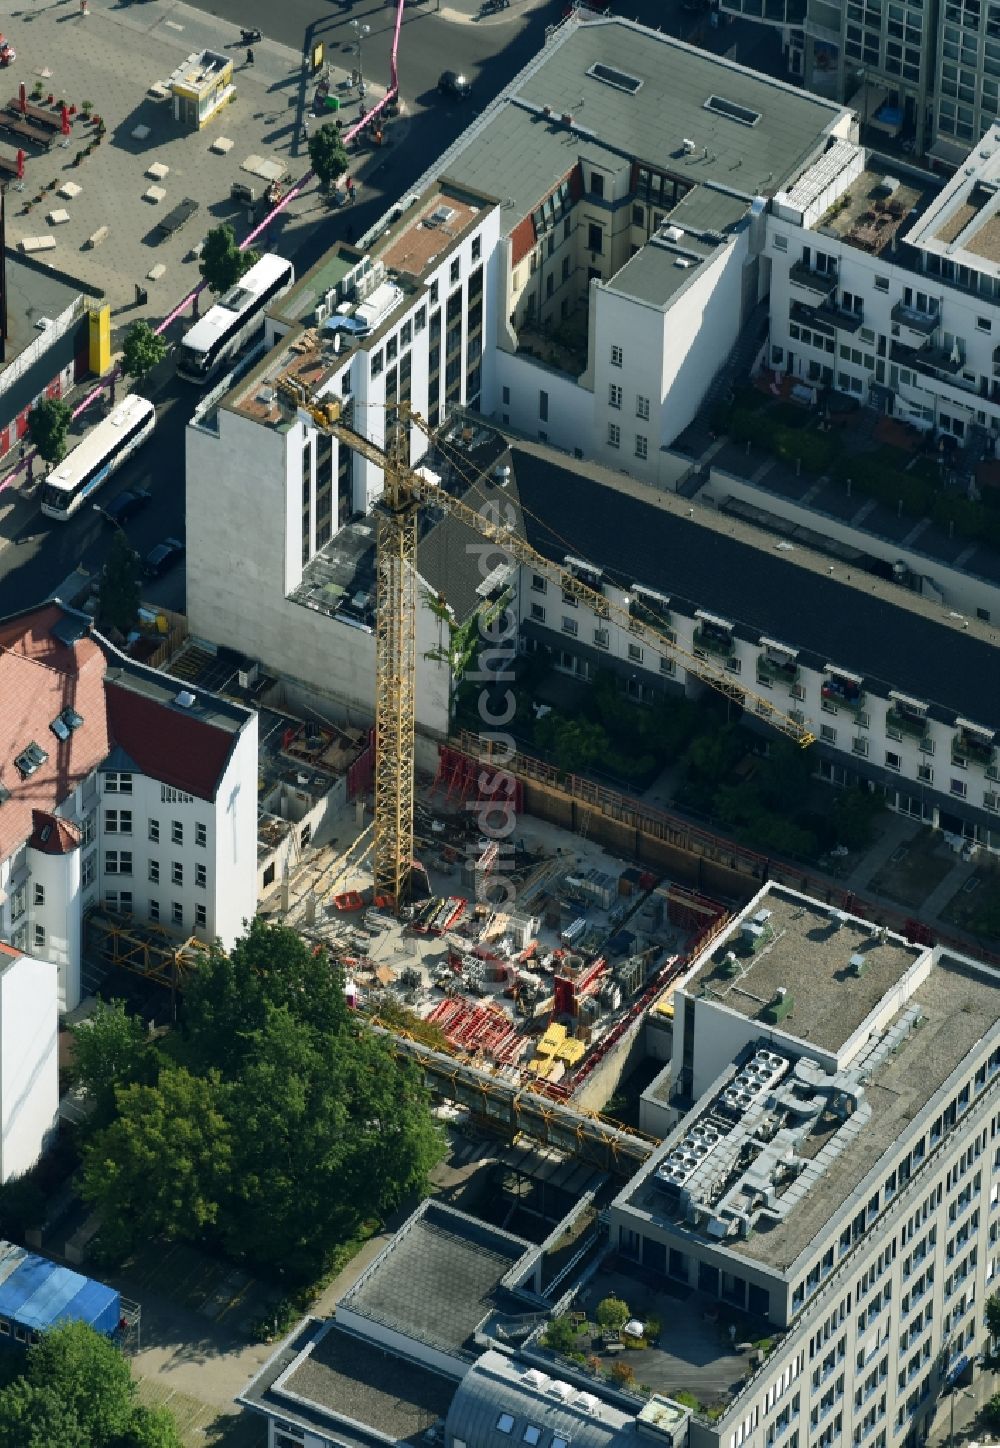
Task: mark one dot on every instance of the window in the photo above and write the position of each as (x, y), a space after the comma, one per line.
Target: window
(117, 821)
(406, 334)
(881, 284)
(434, 294)
(596, 189)
(925, 773)
(154, 871)
(860, 747)
(455, 271)
(154, 909)
(201, 834)
(376, 363)
(538, 583)
(635, 653)
(983, 324)
(614, 395)
(595, 237)
(118, 862)
(892, 761)
(88, 870)
(200, 917)
(543, 406)
(642, 407)
(118, 901)
(667, 665)
(506, 397)
(420, 319)
(176, 832)
(18, 902)
(177, 872)
(154, 831)
(641, 445)
(570, 626)
(39, 937)
(781, 243)
(116, 783)
(38, 894)
(538, 613)
(177, 913)
(959, 788)
(617, 357)
(531, 1435)
(565, 268)
(601, 638)
(89, 825)
(269, 875)
(828, 734)
(614, 435)
(638, 216)
(392, 349)
(505, 1423)
(201, 872)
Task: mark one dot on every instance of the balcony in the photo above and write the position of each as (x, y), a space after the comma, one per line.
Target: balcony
(841, 318)
(923, 323)
(771, 670)
(843, 691)
(914, 726)
(714, 641)
(820, 284)
(968, 748)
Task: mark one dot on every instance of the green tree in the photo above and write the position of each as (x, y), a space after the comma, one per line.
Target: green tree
(574, 743)
(561, 1335)
(22, 1205)
(162, 1168)
(77, 1391)
(142, 350)
(327, 155)
(222, 263)
(48, 424)
(118, 592)
(109, 1049)
(991, 1321)
(612, 1313)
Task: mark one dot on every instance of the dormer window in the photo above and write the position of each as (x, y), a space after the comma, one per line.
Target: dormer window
(65, 723)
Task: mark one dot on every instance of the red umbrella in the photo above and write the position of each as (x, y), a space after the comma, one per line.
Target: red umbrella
(20, 165)
(64, 121)
(22, 98)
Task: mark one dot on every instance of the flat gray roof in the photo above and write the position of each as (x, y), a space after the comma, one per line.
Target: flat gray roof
(705, 209)
(659, 271)
(332, 1382)
(33, 294)
(762, 133)
(436, 1280)
(807, 952)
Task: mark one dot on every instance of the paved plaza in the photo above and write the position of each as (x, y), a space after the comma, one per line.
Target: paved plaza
(97, 218)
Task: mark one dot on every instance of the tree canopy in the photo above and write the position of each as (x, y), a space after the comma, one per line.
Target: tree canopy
(142, 350)
(222, 263)
(278, 1123)
(118, 592)
(327, 155)
(48, 425)
(109, 1049)
(77, 1391)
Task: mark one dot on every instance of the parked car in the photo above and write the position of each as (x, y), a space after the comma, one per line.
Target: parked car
(162, 557)
(124, 505)
(453, 83)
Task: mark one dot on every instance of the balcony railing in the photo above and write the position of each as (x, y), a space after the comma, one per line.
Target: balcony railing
(822, 283)
(843, 691)
(922, 322)
(713, 642)
(912, 725)
(966, 749)
(781, 671)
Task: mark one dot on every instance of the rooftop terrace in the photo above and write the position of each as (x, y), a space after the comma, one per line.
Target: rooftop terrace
(875, 209)
(806, 949)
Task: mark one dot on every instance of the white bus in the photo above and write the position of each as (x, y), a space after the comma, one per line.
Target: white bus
(100, 454)
(218, 335)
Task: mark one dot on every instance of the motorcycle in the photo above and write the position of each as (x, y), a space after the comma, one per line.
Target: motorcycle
(250, 37)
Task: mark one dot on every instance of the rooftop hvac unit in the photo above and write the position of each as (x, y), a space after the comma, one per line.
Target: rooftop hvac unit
(185, 699)
(588, 1403)
(535, 1379)
(562, 1391)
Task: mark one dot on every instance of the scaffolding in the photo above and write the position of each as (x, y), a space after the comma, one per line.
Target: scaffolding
(145, 950)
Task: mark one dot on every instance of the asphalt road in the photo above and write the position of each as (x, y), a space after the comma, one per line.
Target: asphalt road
(45, 552)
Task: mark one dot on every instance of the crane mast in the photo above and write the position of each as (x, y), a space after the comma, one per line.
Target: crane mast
(396, 528)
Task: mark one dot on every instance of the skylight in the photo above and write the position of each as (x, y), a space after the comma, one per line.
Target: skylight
(4, 794)
(732, 111)
(30, 760)
(618, 78)
(65, 723)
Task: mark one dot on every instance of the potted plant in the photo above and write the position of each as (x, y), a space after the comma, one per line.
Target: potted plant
(87, 107)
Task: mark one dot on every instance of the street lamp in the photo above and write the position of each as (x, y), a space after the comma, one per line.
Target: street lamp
(360, 31)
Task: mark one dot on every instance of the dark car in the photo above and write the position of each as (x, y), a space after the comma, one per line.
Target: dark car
(124, 506)
(453, 83)
(162, 557)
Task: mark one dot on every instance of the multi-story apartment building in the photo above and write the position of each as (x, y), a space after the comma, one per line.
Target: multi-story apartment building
(886, 286)
(925, 71)
(119, 789)
(29, 1059)
(833, 1170)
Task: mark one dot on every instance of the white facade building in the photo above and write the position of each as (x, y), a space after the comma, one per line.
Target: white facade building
(29, 1059)
(119, 789)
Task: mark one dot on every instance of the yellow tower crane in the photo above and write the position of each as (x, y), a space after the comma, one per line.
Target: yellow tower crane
(396, 515)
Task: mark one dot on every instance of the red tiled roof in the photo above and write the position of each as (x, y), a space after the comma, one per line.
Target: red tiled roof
(177, 748)
(39, 677)
(51, 835)
(9, 950)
